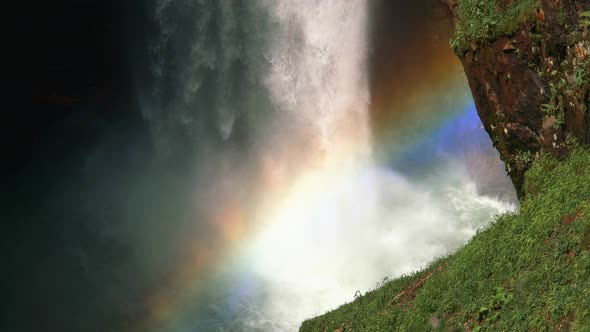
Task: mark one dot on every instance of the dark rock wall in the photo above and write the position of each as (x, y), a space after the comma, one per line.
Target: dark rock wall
(74, 147)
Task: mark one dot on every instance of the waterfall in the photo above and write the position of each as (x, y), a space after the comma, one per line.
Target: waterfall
(238, 72)
(270, 98)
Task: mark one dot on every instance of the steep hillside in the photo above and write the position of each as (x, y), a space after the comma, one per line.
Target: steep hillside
(528, 271)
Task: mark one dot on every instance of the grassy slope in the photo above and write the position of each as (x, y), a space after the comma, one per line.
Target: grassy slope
(528, 271)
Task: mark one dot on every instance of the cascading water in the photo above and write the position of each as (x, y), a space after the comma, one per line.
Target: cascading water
(271, 98)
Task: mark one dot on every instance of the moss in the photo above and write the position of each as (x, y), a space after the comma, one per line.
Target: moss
(483, 20)
(529, 271)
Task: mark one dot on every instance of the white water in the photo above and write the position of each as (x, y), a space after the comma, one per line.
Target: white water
(318, 68)
(338, 222)
(355, 229)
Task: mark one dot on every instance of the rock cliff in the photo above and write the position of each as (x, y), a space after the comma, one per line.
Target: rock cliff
(527, 63)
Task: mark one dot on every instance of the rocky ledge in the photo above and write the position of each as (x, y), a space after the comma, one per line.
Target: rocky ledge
(528, 67)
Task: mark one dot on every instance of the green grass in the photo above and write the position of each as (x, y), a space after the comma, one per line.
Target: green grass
(483, 20)
(528, 271)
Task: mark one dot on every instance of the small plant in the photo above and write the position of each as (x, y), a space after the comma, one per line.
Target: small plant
(580, 77)
(559, 120)
(501, 298)
(496, 140)
(526, 157)
(585, 19)
(358, 294)
(572, 142)
(548, 109)
(561, 17)
(483, 313)
(382, 282)
(458, 41)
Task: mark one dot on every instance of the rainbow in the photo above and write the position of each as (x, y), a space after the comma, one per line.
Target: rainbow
(420, 112)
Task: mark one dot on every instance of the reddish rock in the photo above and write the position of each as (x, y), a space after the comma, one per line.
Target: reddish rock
(531, 88)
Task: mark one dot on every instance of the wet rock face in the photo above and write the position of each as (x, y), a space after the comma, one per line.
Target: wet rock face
(508, 95)
(531, 87)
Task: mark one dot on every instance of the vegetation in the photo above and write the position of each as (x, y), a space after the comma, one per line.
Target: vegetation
(483, 20)
(528, 271)
(566, 73)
